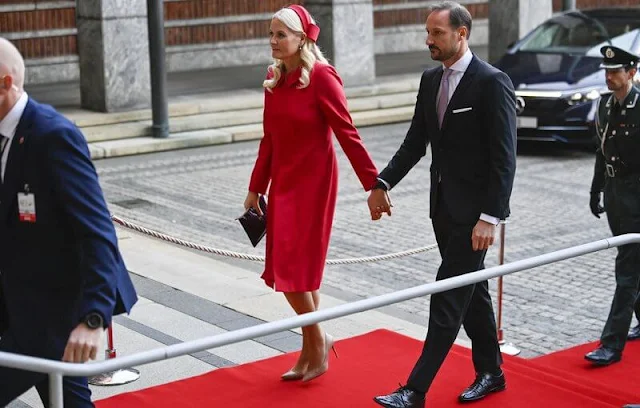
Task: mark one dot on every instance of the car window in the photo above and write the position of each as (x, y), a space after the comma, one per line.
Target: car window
(624, 41)
(580, 33)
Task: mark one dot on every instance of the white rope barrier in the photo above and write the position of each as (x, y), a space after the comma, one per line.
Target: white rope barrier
(257, 258)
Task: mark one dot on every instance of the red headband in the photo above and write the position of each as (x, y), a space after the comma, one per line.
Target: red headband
(311, 30)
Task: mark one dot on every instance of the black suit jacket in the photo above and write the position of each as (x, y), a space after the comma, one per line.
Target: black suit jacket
(474, 154)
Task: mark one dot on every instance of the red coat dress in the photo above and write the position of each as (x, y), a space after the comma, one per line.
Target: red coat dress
(297, 156)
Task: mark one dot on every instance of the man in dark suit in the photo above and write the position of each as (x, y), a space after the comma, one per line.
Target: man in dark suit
(62, 275)
(466, 110)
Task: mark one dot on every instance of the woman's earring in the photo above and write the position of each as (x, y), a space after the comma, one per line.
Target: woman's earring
(300, 47)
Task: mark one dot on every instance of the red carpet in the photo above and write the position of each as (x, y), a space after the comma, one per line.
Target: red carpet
(620, 380)
(376, 362)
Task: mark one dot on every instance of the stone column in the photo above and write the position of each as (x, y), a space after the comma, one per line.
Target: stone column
(510, 20)
(114, 54)
(346, 37)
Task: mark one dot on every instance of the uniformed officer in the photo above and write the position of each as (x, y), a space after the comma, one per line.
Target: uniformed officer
(617, 173)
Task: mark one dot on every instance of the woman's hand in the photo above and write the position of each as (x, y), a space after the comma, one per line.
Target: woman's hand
(253, 201)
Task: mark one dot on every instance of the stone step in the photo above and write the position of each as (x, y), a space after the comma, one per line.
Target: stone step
(177, 124)
(229, 134)
(223, 102)
(181, 106)
(221, 119)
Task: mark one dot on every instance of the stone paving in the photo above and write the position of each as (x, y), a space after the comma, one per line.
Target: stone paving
(197, 194)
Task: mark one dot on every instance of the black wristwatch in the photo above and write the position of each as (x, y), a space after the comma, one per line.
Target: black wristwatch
(94, 321)
(380, 185)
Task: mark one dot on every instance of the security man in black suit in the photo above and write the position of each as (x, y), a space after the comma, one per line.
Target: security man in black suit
(466, 110)
(617, 173)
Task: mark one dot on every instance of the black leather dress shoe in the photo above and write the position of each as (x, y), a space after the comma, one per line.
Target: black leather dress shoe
(484, 385)
(603, 356)
(634, 333)
(401, 398)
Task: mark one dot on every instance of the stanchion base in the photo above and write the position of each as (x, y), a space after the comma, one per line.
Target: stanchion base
(509, 349)
(118, 377)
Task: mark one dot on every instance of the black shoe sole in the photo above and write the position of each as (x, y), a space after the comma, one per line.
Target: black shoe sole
(387, 405)
(496, 389)
(601, 363)
(380, 403)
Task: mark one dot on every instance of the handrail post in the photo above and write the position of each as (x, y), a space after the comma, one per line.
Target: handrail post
(117, 377)
(506, 348)
(56, 399)
(499, 296)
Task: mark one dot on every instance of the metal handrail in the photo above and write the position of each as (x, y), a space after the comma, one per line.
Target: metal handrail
(57, 370)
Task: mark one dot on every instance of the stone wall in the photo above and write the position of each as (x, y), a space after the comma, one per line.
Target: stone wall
(45, 32)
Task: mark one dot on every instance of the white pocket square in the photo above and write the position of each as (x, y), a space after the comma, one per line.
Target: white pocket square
(461, 110)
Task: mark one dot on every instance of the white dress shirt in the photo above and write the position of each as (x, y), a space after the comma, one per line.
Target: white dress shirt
(457, 72)
(8, 127)
(458, 69)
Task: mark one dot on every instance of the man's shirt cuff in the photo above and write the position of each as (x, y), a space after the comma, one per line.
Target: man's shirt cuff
(490, 219)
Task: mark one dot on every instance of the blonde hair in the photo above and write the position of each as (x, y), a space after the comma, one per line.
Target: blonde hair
(309, 54)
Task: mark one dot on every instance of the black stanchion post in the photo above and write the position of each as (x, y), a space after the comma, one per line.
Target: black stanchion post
(506, 348)
(159, 103)
(118, 377)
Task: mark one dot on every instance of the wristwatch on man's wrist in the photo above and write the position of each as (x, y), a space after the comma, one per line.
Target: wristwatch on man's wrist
(94, 321)
(380, 185)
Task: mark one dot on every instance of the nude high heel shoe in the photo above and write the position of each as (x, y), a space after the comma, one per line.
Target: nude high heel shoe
(293, 375)
(328, 345)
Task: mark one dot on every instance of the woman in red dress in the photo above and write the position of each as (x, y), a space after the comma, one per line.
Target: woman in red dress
(304, 102)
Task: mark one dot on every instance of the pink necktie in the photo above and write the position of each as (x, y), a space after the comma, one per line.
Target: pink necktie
(3, 145)
(443, 100)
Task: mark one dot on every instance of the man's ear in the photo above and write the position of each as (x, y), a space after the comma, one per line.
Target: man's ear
(463, 32)
(6, 82)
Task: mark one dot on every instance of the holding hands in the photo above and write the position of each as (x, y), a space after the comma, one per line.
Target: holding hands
(379, 203)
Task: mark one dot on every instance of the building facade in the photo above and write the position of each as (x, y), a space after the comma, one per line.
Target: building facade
(55, 36)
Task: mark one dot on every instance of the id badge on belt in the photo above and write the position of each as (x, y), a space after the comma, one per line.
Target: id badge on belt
(27, 205)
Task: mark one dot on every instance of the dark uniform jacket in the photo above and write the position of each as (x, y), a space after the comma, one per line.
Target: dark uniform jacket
(618, 137)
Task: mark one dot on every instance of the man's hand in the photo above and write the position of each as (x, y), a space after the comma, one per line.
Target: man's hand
(594, 204)
(483, 235)
(379, 203)
(82, 345)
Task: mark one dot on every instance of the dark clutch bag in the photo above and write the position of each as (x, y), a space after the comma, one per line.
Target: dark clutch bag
(255, 225)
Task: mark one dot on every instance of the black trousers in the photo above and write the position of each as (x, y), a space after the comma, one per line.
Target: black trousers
(468, 306)
(14, 383)
(622, 202)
